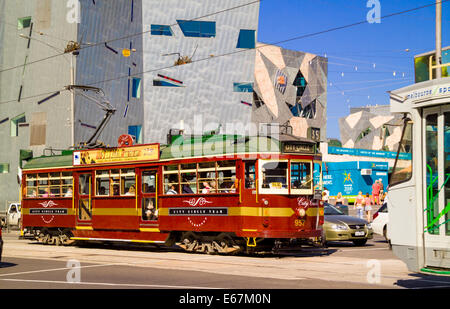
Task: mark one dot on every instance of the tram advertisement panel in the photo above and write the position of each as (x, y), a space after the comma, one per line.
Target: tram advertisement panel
(148, 152)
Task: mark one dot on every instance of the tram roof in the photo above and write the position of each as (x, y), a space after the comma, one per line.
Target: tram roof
(49, 161)
(192, 146)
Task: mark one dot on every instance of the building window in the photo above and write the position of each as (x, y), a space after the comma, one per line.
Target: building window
(246, 39)
(242, 87)
(24, 22)
(161, 83)
(136, 89)
(136, 131)
(197, 29)
(15, 124)
(364, 134)
(4, 168)
(161, 30)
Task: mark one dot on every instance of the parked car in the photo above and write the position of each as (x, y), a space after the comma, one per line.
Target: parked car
(380, 222)
(340, 227)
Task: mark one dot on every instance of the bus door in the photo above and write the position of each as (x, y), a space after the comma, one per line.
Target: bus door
(436, 185)
(83, 200)
(148, 199)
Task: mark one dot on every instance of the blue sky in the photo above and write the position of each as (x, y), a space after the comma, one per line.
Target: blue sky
(362, 59)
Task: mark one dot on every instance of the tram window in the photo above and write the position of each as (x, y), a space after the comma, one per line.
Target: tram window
(250, 174)
(274, 175)
(102, 183)
(301, 175)
(31, 185)
(114, 182)
(226, 176)
(149, 209)
(403, 166)
(188, 178)
(171, 179)
(83, 182)
(55, 184)
(148, 181)
(207, 177)
(66, 184)
(43, 190)
(127, 181)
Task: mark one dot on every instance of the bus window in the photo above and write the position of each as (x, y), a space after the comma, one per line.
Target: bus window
(274, 175)
(171, 179)
(148, 181)
(250, 174)
(102, 183)
(127, 181)
(188, 178)
(402, 170)
(226, 176)
(301, 177)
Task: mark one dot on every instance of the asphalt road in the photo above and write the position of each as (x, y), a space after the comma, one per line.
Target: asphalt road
(28, 265)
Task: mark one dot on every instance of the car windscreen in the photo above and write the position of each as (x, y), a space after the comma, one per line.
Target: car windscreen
(330, 210)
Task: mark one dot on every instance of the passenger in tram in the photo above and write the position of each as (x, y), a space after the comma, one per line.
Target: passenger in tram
(47, 194)
(150, 213)
(213, 185)
(69, 192)
(186, 188)
(172, 190)
(116, 190)
(131, 191)
(206, 188)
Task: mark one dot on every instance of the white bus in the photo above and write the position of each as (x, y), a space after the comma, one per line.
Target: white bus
(419, 187)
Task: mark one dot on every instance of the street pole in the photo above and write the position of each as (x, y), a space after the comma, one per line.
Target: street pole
(72, 100)
(438, 37)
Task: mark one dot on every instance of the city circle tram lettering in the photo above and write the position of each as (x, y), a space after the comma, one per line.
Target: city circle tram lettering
(189, 211)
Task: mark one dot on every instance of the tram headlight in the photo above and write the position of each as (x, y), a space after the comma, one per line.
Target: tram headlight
(266, 202)
(302, 212)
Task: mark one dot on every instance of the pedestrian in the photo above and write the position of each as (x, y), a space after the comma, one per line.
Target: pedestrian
(368, 207)
(359, 204)
(380, 183)
(376, 192)
(339, 199)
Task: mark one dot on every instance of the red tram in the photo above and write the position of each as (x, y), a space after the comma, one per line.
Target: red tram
(206, 194)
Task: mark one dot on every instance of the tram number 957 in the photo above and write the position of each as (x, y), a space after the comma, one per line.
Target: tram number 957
(299, 222)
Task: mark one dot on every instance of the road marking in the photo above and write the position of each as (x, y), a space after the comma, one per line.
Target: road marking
(114, 284)
(54, 269)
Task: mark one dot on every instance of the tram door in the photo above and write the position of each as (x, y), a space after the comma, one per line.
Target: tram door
(148, 198)
(83, 200)
(436, 185)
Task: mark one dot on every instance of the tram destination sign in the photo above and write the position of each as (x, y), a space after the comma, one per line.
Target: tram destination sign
(298, 147)
(149, 152)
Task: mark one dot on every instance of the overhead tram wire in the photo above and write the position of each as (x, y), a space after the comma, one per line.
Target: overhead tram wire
(128, 36)
(211, 14)
(235, 52)
(279, 42)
